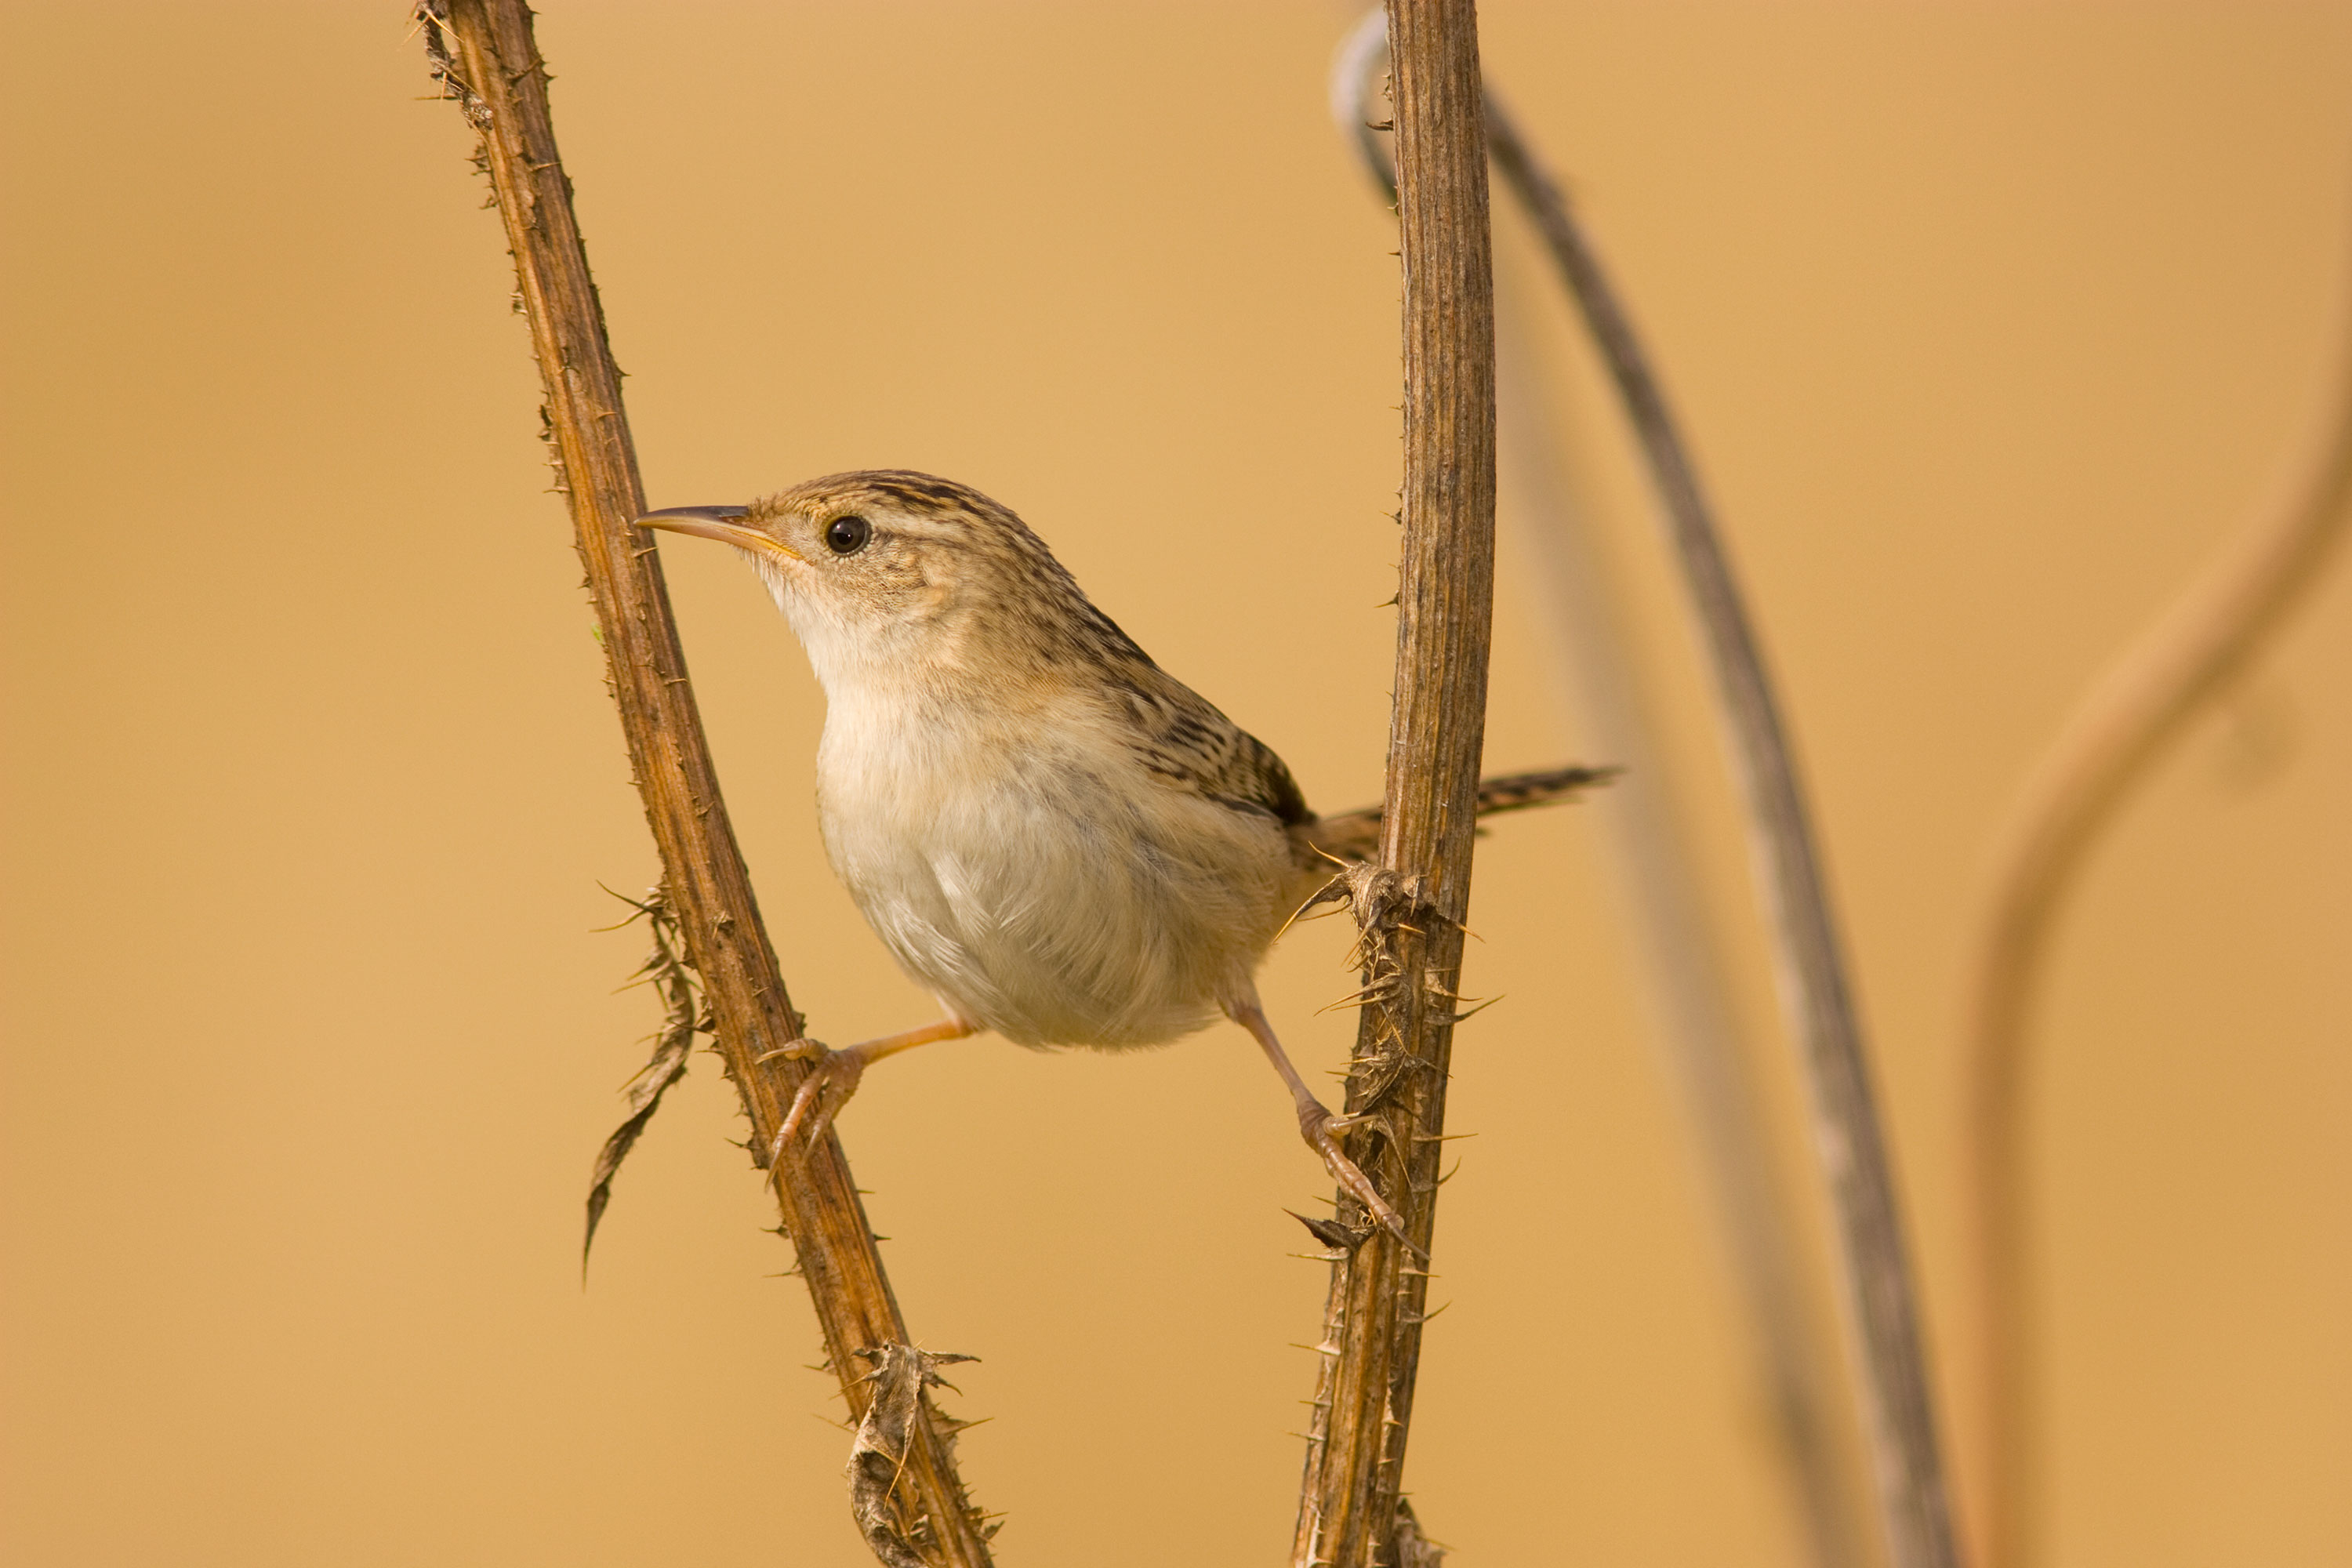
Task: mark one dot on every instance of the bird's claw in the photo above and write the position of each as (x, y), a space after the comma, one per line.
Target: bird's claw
(840, 1071)
(1317, 1125)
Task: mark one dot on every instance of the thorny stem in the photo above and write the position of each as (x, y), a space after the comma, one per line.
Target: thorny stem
(2108, 747)
(1898, 1415)
(484, 54)
(1411, 902)
(1690, 990)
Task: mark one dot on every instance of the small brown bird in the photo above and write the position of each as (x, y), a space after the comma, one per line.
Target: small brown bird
(1059, 840)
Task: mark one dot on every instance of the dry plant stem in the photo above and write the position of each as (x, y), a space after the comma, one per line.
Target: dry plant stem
(490, 62)
(1898, 1418)
(1688, 977)
(1657, 869)
(2108, 747)
(1687, 973)
(1412, 902)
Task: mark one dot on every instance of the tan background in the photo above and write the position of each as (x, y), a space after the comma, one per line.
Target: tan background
(1991, 321)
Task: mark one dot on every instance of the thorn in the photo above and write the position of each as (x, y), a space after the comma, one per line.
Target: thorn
(1332, 1233)
(1465, 1018)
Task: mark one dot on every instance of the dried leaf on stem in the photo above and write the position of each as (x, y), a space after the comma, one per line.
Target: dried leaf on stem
(877, 1456)
(666, 971)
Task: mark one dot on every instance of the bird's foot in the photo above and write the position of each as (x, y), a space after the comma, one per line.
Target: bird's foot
(839, 1071)
(1317, 1125)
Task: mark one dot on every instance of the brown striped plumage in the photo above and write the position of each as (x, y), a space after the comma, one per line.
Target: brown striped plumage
(1059, 839)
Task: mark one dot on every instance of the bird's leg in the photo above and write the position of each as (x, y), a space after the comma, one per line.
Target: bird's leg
(1317, 1124)
(841, 1071)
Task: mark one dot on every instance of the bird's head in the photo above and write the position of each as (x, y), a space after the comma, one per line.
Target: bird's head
(889, 569)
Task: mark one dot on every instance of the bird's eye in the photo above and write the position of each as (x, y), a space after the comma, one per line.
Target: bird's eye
(848, 535)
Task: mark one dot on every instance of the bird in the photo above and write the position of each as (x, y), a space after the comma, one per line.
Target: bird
(1062, 842)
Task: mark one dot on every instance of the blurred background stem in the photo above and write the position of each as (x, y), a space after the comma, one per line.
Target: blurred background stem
(2106, 750)
(1686, 974)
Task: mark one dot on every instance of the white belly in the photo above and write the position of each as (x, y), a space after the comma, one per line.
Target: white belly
(1046, 889)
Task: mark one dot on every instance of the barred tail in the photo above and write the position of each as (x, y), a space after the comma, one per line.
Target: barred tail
(1356, 835)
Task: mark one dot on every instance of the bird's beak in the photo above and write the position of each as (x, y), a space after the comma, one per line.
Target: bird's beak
(723, 523)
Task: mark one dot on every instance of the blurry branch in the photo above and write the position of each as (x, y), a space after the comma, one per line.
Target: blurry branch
(1411, 902)
(2106, 748)
(1898, 1418)
(1658, 870)
(1706, 1049)
(483, 53)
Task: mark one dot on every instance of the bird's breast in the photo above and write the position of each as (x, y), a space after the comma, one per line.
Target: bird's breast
(1039, 880)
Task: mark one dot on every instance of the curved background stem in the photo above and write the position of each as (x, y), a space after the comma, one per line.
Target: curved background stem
(2104, 750)
(1706, 1049)
(1899, 1422)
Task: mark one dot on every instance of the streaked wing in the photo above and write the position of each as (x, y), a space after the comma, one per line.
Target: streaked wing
(1182, 737)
